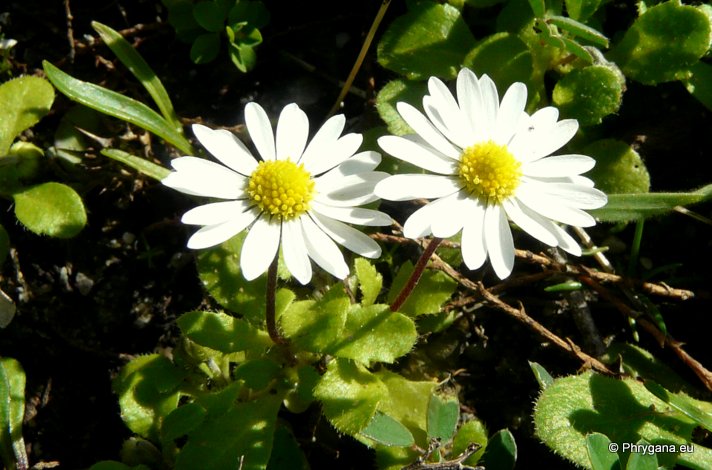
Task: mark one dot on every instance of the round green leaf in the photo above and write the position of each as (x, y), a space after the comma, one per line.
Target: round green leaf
(589, 94)
(502, 56)
(470, 431)
(619, 168)
(205, 48)
(52, 209)
(23, 101)
(209, 15)
(431, 39)
(663, 43)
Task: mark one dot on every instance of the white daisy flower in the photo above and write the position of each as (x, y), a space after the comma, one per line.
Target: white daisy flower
(297, 196)
(489, 162)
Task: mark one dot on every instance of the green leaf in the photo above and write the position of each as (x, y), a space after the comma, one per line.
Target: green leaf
(627, 207)
(642, 460)
(375, 334)
(252, 12)
(209, 16)
(349, 395)
(141, 70)
(538, 7)
(23, 101)
(579, 30)
(542, 375)
(387, 431)
(433, 290)
(502, 56)
(315, 325)
(430, 39)
(443, 415)
(699, 84)
(222, 332)
(301, 395)
(205, 48)
(258, 373)
(394, 92)
(589, 94)
(473, 431)
(20, 166)
(501, 453)
(599, 452)
(370, 281)
(581, 10)
(70, 142)
(220, 273)
(116, 105)
(663, 43)
(240, 437)
(243, 56)
(12, 411)
(286, 452)
(573, 407)
(181, 421)
(52, 209)
(619, 169)
(148, 391)
(144, 166)
(682, 403)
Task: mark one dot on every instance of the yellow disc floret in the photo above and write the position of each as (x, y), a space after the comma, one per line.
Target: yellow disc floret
(281, 188)
(489, 171)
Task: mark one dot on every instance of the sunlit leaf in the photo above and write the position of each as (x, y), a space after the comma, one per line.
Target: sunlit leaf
(642, 460)
(599, 452)
(578, 29)
(682, 403)
(472, 431)
(627, 207)
(432, 291)
(589, 94)
(52, 209)
(315, 325)
(443, 415)
(141, 164)
(619, 169)
(394, 92)
(222, 332)
(370, 281)
(387, 431)
(23, 102)
(542, 375)
(502, 56)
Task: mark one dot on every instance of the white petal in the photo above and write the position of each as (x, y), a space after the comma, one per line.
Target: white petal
(424, 128)
(227, 148)
(447, 217)
(490, 107)
(531, 222)
(559, 165)
(201, 177)
(435, 116)
(510, 111)
(260, 248)
(295, 250)
(572, 195)
(566, 241)
(215, 213)
(546, 143)
(324, 138)
(292, 133)
(553, 208)
(212, 235)
(323, 250)
(533, 129)
(474, 252)
(260, 130)
(348, 236)
(406, 187)
(418, 224)
(334, 154)
(353, 215)
(469, 98)
(445, 106)
(352, 190)
(362, 162)
(498, 239)
(417, 154)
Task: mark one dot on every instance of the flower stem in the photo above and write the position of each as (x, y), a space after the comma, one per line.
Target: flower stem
(270, 308)
(416, 274)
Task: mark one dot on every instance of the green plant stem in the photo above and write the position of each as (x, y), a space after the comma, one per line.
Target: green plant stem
(416, 274)
(270, 308)
(635, 247)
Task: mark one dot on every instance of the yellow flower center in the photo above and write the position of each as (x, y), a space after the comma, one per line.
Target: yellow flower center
(281, 188)
(489, 171)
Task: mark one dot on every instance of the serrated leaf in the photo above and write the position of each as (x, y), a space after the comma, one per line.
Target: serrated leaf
(699, 84)
(599, 452)
(116, 105)
(12, 411)
(209, 16)
(315, 325)
(141, 70)
(220, 273)
(663, 43)
(472, 431)
(501, 451)
(430, 39)
(375, 334)
(575, 406)
(619, 169)
(387, 431)
(578, 29)
(443, 415)
(144, 166)
(205, 48)
(370, 281)
(182, 420)
(148, 391)
(349, 394)
(542, 375)
(52, 209)
(432, 291)
(222, 332)
(589, 94)
(394, 92)
(241, 437)
(502, 56)
(581, 10)
(23, 101)
(627, 207)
